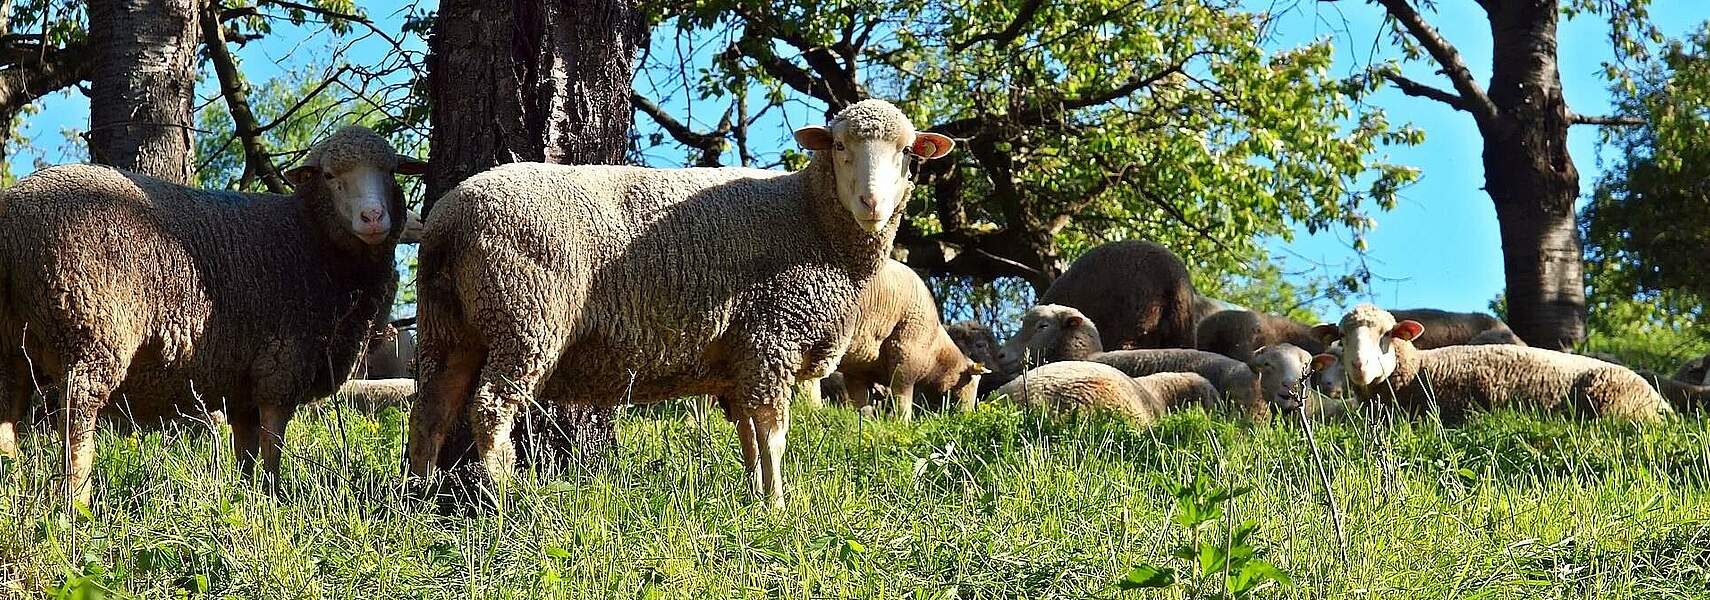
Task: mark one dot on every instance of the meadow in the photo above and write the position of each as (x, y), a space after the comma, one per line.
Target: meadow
(1000, 503)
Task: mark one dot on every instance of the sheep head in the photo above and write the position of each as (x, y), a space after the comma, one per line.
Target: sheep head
(353, 170)
(1369, 336)
(1279, 368)
(870, 143)
(1050, 333)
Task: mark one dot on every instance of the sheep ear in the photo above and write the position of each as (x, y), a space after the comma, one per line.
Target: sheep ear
(1407, 330)
(1323, 361)
(815, 137)
(978, 369)
(410, 166)
(302, 174)
(1327, 333)
(1074, 321)
(930, 145)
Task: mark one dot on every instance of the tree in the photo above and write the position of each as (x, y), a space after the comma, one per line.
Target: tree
(1524, 120)
(142, 85)
(531, 80)
(35, 63)
(1083, 122)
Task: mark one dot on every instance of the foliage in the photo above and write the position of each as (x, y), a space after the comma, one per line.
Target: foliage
(1081, 122)
(1217, 550)
(1646, 224)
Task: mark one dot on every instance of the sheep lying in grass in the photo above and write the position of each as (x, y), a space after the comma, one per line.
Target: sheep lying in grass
(1444, 328)
(1695, 371)
(1138, 291)
(1205, 306)
(1051, 333)
(121, 286)
(1382, 364)
(899, 344)
(1238, 334)
(1080, 386)
(1280, 369)
(1684, 396)
(1328, 376)
(601, 285)
(370, 396)
(1494, 337)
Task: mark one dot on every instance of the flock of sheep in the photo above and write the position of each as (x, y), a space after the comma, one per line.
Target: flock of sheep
(607, 285)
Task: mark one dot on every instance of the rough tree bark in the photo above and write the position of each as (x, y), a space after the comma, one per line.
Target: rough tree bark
(142, 85)
(1531, 178)
(531, 80)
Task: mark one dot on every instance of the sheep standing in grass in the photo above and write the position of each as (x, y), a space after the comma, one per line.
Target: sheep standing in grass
(1238, 334)
(613, 284)
(1137, 291)
(121, 286)
(1382, 364)
(898, 343)
(1051, 333)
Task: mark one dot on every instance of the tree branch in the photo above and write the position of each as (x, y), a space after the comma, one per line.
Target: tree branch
(44, 72)
(244, 124)
(1041, 113)
(1607, 120)
(711, 145)
(1447, 57)
(1003, 37)
(1420, 90)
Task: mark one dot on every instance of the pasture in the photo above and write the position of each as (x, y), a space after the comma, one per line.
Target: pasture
(999, 503)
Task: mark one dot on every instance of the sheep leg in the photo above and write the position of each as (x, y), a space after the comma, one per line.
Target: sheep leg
(246, 438)
(447, 381)
(508, 382)
(14, 402)
(860, 391)
(274, 417)
(811, 395)
(902, 396)
(770, 426)
(745, 436)
(87, 388)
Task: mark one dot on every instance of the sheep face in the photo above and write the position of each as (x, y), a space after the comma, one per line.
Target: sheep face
(1279, 368)
(1328, 377)
(1368, 336)
(870, 144)
(1049, 333)
(353, 169)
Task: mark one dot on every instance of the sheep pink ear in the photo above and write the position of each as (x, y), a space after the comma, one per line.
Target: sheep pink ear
(302, 174)
(410, 166)
(1407, 330)
(1074, 321)
(1323, 361)
(815, 137)
(1327, 333)
(930, 145)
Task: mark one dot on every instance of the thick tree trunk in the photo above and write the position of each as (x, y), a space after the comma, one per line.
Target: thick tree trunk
(531, 80)
(143, 85)
(1531, 177)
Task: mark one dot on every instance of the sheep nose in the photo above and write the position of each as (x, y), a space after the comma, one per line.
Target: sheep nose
(372, 216)
(871, 202)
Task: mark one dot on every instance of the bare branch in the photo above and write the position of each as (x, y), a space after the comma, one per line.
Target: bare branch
(1606, 120)
(1447, 57)
(711, 145)
(1414, 88)
(256, 161)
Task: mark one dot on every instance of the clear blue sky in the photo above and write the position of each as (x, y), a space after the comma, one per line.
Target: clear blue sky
(1441, 242)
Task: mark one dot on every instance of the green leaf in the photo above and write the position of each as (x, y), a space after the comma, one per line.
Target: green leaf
(1145, 576)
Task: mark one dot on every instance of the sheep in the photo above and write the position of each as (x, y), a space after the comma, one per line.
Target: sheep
(1138, 292)
(118, 285)
(898, 343)
(370, 396)
(1238, 333)
(980, 345)
(604, 285)
(1684, 396)
(1444, 328)
(1205, 306)
(1382, 364)
(1081, 386)
(1695, 371)
(1180, 389)
(1280, 369)
(1493, 337)
(389, 356)
(1051, 333)
(1328, 377)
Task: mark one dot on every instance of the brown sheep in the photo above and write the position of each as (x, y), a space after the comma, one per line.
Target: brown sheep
(1138, 292)
(1238, 333)
(1051, 333)
(1684, 396)
(117, 285)
(899, 344)
(1382, 364)
(1696, 371)
(1444, 328)
(389, 356)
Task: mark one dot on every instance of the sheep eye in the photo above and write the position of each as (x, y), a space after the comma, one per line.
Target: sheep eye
(839, 147)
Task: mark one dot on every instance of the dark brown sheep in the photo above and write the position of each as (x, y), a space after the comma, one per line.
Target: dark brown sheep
(1138, 293)
(1444, 328)
(1238, 334)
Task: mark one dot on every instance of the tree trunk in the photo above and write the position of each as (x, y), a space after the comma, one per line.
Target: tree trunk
(541, 81)
(1531, 177)
(529, 80)
(143, 85)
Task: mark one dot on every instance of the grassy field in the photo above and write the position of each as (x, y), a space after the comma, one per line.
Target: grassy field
(1001, 503)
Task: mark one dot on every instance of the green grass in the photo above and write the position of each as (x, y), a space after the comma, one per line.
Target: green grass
(1001, 503)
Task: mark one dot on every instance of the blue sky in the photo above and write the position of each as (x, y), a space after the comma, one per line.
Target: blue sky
(1440, 246)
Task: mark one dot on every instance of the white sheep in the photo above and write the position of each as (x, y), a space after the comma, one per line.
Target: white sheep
(898, 343)
(1079, 386)
(1382, 364)
(612, 284)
